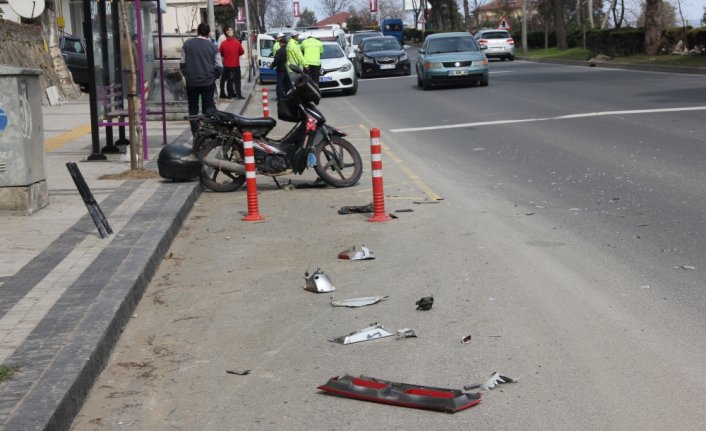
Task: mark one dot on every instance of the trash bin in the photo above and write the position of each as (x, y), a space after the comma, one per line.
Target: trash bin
(23, 179)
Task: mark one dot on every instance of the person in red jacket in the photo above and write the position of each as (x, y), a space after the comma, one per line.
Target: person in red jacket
(231, 49)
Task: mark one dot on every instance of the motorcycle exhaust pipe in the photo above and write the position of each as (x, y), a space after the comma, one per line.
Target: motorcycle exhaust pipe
(223, 165)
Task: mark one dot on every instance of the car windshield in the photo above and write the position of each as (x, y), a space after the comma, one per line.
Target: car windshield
(332, 51)
(381, 45)
(356, 38)
(452, 44)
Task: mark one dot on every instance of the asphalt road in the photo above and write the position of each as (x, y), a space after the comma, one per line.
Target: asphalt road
(568, 244)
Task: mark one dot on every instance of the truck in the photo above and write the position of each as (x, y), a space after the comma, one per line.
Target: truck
(393, 27)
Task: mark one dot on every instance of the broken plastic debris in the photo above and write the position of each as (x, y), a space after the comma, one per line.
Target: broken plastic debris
(353, 254)
(494, 380)
(425, 303)
(238, 372)
(318, 282)
(400, 394)
(406, 333)
(466, 339)
(374, 331)
(358, 302)
(691, 267)
(356, 209)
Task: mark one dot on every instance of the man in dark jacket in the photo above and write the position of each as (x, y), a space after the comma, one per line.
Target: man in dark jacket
(201, 65)
(280, 65)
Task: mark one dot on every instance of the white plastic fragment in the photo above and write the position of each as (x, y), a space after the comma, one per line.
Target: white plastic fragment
(358, 302)
(374, 331)
(494, 380)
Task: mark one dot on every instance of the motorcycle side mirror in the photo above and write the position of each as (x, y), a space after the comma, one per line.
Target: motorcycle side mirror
(295, 68)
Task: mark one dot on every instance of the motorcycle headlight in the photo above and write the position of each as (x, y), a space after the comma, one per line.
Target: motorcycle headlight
(368, 60)
(346, 67)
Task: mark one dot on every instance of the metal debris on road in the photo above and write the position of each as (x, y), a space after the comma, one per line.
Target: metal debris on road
(318, 282)
(238, 372)
(494, 380)
(374, 331)
(358, 302)
(427, 201)
(425, 303)
(406, 333)
(405, 210)
(466, 339)
(353, 254)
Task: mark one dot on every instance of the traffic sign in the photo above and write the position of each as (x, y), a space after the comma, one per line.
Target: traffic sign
(422, 20)
(504, 24)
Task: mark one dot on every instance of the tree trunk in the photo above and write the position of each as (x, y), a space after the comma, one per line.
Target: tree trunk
(604, 24)
(589, 9)
(133, 103)
(466, 15)
(559, 24)
(652, 26)
(49, 30)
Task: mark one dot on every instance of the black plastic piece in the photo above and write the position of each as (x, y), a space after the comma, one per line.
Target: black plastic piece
(177, 162)
(93, 209)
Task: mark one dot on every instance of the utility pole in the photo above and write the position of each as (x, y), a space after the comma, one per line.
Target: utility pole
(211, 16)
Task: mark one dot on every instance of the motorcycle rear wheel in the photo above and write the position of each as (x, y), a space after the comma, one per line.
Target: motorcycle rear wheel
(216, 179)
(338, 163)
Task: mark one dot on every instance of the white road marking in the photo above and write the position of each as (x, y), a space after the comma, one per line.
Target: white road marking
(560, 117)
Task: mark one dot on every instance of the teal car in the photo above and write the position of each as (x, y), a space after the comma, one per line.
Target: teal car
(451, 58)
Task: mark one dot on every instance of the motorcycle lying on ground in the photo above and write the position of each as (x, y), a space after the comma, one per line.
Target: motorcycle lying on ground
(310, 143)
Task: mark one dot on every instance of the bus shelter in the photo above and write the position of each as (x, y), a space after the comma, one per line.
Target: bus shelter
(109, 69)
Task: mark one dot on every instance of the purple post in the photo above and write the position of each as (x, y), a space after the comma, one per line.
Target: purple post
(161, 74)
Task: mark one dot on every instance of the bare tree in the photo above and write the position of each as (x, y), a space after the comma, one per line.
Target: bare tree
(279, 14)
(653, 26)
(560, 24)
(390, 9)
(332, 7)
(604, 24)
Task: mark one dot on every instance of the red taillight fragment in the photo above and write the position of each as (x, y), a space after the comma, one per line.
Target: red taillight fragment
(510, 42)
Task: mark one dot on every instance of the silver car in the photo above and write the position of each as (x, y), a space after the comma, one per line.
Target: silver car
(499, 42)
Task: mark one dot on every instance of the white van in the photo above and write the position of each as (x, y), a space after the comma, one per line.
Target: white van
(328, 33)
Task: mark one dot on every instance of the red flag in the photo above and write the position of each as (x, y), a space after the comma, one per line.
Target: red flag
(296, 10)
(373, 6)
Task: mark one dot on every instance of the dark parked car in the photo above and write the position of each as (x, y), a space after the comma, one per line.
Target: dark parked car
(73, 49)
(381, 56)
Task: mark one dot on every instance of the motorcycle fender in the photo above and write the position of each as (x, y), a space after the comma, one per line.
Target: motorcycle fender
(334, 131)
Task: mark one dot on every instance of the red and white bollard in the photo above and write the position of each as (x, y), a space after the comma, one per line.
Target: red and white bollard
(265, 104)
(378, 193)
(251, 181)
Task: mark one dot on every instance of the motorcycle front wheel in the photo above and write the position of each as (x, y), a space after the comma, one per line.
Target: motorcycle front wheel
(338, 163)
(216, 179)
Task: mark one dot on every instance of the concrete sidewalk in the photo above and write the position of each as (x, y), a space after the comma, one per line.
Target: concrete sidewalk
(67, 293)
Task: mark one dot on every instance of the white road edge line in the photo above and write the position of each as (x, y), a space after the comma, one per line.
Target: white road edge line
(560, 117)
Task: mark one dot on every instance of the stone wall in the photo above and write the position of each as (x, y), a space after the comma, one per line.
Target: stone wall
(23, 45)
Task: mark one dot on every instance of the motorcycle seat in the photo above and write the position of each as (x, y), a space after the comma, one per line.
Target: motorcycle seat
(258, 126)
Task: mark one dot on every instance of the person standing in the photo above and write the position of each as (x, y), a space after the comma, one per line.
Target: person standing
(294, 53)
(279, 63)
(312, 48)
(201, 65)
(231, 49)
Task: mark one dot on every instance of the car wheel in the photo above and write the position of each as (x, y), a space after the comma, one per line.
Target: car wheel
(354, 89)
(426, 84)
(420, 84)
(511, 58)
(484, 82)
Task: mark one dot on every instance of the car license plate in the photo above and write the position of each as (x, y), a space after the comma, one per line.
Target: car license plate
(387, 66)
(325, 78)
(458, 72)
(496, 48)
